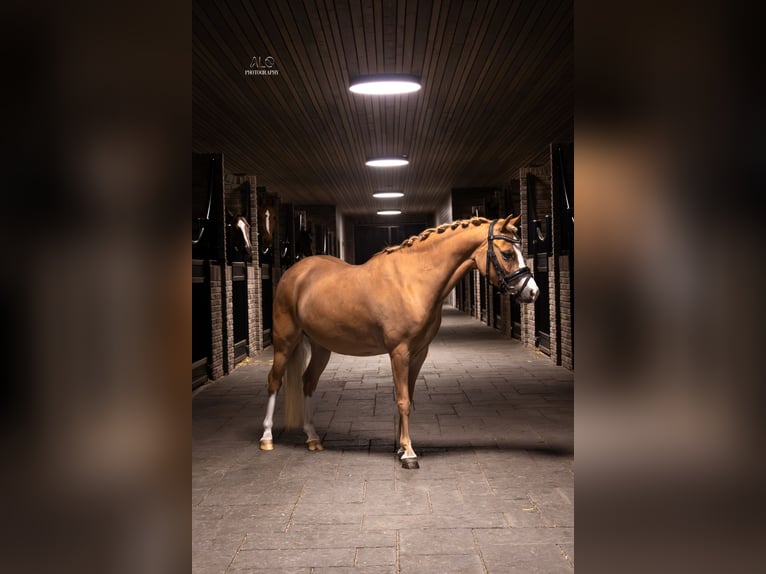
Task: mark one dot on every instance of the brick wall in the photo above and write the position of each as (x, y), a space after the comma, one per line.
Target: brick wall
(528, 336)
(476, 294)
(254, 285)
(228, 331)
(554, 291)
(216, 320)
(255, 311)
(565, 309)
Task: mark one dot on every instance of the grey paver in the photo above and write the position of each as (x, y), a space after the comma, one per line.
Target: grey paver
(380, 569)
(525, 559)
(492, 424)
(462, 563)
(385, 556)
(320, 513)
(293, 558)
(436, 541)
(320, 536)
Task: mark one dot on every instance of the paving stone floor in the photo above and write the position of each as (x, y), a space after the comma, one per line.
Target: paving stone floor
(493, 428)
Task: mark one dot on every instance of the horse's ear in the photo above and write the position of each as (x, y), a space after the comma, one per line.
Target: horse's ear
(510, 221)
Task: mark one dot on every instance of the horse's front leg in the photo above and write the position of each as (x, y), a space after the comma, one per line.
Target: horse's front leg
(400, 368)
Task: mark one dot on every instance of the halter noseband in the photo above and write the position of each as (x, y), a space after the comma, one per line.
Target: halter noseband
(504, 281)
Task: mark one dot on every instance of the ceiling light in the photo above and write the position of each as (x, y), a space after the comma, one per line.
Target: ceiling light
(387, 194)
(389, 161)
(385, 84)
(389, 212)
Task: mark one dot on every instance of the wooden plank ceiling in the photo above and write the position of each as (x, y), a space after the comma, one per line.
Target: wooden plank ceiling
(497, 89)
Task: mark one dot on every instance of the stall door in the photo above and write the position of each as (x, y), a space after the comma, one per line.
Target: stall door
(542, 305)
(267, 296)
(239, 308)
(539, 245)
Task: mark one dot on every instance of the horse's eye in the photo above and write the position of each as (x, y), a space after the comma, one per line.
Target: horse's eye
(506, 254)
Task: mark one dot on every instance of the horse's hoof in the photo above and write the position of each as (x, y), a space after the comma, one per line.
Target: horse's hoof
(267, 445)
(410, 463)
(314, 445)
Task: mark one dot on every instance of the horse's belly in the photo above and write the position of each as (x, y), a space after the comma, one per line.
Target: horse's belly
(348, 341)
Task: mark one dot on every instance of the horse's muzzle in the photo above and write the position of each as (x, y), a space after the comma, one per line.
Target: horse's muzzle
(527, 292)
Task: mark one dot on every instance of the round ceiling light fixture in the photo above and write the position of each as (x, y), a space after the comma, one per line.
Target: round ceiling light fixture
(387, 194)
(385, 84)
(387, 161)
(389, 212)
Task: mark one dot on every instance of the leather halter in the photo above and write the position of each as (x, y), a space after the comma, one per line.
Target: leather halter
(504, 280)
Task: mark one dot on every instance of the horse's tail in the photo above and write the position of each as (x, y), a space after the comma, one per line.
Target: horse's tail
(296, 365)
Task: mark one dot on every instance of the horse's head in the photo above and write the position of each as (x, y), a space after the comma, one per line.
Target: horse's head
(239, 234)
(505, 266)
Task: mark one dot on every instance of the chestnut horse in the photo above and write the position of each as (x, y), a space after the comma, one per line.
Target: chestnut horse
(391, 304)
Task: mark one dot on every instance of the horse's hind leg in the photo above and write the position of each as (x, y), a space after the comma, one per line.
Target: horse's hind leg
(283, 348)
(319, 358)
(275, 382)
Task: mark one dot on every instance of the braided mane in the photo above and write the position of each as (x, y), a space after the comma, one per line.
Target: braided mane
(462, 223)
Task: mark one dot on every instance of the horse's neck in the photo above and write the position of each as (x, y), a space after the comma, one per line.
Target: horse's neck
(438, 262)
